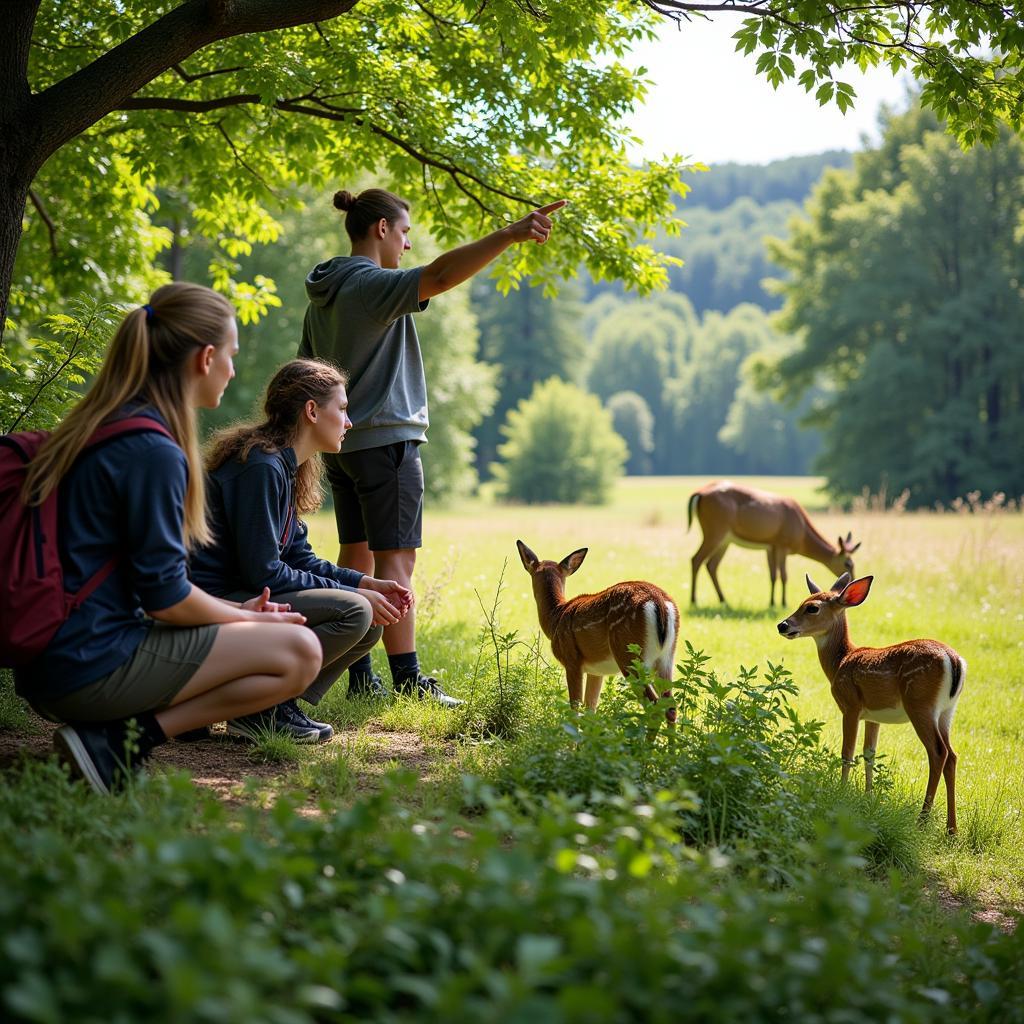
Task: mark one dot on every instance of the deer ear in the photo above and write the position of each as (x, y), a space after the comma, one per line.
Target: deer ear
(811, 585)
(855, 593)
(529, 558)
(572, 562)
(841, 582)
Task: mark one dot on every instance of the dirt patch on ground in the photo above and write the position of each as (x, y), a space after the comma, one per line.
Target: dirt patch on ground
(227, 767)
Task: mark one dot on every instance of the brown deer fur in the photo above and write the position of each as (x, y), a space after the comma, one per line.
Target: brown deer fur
(731, 514)
(591, 634)
(917, 681)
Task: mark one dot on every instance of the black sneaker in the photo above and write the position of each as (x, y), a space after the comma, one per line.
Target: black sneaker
(427, 688)
(325, 729)
(94, 753)
(371, 686)
(280, 719)
(193, 735)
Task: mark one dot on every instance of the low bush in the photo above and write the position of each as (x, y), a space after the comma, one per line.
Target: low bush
(163, 905)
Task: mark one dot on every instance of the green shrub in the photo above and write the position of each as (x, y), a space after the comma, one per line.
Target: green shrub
(163, 905)
(561, 447)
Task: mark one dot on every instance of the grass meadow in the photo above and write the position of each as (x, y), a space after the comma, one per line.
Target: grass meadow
(514, 860)
(952, 576)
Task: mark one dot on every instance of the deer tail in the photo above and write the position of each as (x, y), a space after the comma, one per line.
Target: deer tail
(691, 507)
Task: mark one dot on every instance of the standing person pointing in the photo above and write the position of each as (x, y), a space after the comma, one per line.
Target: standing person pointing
(360, 317)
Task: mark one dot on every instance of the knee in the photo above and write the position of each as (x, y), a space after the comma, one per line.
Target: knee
(305, 656)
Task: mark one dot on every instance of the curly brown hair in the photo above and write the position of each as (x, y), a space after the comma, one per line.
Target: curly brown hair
(294, 384)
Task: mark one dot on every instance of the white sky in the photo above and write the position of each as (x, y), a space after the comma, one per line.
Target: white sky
(708, 104)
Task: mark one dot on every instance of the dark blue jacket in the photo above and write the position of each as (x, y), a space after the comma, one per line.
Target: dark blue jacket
(260, 540)
(124, 498)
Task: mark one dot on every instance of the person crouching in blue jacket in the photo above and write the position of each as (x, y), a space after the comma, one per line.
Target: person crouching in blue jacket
(261, 479)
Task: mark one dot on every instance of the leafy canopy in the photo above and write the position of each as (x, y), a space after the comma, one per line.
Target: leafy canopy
(475, 112)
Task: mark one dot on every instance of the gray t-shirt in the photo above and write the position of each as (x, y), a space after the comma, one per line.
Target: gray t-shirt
(360, 318)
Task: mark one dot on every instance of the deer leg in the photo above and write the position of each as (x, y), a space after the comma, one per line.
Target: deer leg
(851, 723)
(927, 730)
(771, 573)
(870, 746)
(713, 563)
(781, 559)
(594, 684)
(574, 680)
(708, 546)
(949, 772)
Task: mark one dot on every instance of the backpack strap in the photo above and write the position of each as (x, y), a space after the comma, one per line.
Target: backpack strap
(129, 425)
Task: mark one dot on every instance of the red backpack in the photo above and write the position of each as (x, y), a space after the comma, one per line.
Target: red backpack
(33, 601)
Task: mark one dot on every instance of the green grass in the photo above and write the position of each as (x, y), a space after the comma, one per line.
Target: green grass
(954, 577)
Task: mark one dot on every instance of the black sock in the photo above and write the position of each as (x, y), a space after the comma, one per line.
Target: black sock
(404, 668)
(361, 670)
(145, 732)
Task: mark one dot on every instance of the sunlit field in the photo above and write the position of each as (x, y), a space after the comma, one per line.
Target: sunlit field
(954, 577)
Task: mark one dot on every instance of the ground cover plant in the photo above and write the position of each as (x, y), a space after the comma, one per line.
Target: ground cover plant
(550, 865)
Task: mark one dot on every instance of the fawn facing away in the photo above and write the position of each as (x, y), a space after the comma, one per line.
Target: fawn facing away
(917, 681)
(590, 634)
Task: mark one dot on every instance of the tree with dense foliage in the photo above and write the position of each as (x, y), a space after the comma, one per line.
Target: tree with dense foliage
(906, 290)
(561, 447)
(634, 423)
(482, 107)
(526, 337)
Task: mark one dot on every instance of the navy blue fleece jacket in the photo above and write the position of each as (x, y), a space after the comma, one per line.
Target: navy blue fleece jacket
(259, 539)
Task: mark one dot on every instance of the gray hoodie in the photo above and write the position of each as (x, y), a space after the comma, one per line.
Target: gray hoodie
(360, 319)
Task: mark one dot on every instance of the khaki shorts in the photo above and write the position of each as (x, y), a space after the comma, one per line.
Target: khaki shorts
(148, 681)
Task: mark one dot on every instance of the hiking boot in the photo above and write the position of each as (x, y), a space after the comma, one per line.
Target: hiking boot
(371, 686)
(193, 735)
(427, 688)
(280, 719)
(95, 753)
(324, 728)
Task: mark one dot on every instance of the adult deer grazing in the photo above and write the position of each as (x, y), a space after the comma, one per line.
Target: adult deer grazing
(918, 681)
(731, 514)
(590, 634)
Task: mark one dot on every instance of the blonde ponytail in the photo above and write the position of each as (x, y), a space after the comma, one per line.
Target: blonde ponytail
(146, 362)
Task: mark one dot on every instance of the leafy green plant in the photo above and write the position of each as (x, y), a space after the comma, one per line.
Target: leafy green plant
(43, 380)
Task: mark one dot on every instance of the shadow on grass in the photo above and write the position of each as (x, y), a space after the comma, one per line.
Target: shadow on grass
(725, 611)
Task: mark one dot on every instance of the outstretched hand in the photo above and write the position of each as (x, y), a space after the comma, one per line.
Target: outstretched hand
(536, 225)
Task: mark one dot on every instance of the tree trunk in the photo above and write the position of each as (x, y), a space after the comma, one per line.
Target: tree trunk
(13, 194)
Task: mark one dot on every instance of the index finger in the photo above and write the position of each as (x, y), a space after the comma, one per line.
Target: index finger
(551, 207)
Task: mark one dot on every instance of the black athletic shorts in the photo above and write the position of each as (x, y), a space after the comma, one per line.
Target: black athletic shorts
(378, 495)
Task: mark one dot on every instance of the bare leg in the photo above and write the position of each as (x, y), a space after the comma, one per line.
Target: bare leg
(358, 557)
(594, 684)
(870, 746)
(398, 564)
(249, 668)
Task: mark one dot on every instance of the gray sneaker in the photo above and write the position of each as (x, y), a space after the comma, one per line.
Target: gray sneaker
(427, 688)
(279, 719)
(325, 729)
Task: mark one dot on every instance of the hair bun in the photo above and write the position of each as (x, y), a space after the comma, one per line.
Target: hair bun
(344, 200)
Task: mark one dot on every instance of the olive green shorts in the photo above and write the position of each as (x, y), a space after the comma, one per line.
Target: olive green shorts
(148, 681)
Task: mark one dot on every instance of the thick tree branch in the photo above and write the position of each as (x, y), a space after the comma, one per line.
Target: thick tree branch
(75, 103)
